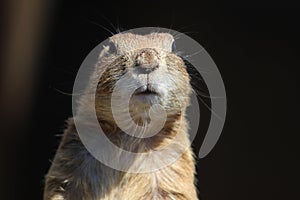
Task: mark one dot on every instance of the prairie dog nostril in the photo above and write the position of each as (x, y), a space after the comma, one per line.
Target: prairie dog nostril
(147, 60)
(147, 68)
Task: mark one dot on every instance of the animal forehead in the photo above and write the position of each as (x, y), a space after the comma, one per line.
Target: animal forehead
(125, 42)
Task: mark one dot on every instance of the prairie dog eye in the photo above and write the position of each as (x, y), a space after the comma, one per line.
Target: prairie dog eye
(173, 46)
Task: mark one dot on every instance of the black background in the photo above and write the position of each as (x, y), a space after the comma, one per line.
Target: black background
(255, 47)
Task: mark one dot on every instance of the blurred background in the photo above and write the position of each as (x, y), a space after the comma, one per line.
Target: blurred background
(255, 46)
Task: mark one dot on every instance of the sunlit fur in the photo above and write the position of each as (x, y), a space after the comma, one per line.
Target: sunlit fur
(76, 174)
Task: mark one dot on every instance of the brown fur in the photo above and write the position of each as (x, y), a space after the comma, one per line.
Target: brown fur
(76, 174)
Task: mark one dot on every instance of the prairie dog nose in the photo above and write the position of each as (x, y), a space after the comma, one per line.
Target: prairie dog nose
(147, 60)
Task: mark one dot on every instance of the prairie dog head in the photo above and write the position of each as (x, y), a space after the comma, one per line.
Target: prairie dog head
(157, 74)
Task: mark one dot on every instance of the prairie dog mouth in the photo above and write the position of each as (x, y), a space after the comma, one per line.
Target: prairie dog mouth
(146, 90)
(145, 95)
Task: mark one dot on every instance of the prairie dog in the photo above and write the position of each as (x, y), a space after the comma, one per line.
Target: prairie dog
(149, 59)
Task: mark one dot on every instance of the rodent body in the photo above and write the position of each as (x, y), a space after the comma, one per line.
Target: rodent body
(76, 174)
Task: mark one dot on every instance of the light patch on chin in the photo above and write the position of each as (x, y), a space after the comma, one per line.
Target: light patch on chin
(144, 100)
(57, 197)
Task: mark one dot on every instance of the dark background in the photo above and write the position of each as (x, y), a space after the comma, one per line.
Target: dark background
(255, 46)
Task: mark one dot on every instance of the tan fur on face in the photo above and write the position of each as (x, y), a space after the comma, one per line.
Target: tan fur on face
(76, 174)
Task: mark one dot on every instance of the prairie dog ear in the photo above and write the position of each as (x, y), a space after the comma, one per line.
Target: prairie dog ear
(104, 52)
(107, 50)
